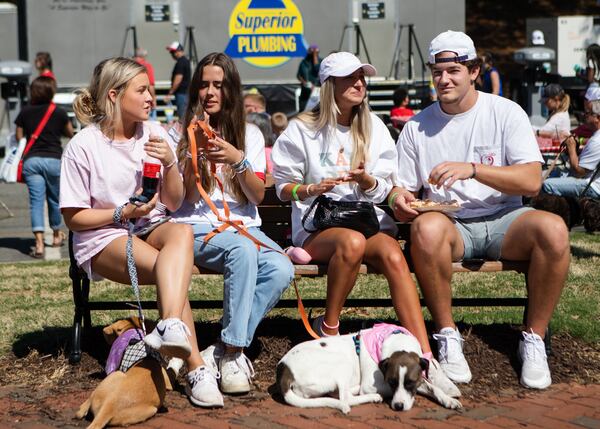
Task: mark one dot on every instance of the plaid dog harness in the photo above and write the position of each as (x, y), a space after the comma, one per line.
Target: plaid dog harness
(127, 350)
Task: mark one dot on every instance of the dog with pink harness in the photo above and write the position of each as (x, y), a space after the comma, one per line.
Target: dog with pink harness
(382, 362)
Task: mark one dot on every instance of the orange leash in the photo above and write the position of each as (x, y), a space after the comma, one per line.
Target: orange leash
(226, 222)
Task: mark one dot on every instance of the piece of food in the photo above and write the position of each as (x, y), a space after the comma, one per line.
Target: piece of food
(429, 203)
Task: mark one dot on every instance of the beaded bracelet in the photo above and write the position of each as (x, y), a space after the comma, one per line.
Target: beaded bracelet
(241, 166)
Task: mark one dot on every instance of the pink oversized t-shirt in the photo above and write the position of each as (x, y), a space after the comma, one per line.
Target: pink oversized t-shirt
(100, 173)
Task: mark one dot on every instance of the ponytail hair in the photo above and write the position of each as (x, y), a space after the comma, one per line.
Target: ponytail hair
(92, 105)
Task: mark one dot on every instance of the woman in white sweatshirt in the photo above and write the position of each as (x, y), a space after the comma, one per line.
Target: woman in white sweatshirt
(343, 150)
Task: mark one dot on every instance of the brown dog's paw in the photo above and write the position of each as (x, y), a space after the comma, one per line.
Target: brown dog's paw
(83, 409)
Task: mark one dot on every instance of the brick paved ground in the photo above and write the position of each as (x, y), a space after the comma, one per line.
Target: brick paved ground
(564, 406)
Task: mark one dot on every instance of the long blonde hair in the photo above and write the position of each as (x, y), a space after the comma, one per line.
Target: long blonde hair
(323, 118)
(93, 105)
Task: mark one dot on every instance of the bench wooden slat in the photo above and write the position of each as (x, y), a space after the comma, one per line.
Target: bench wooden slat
(206, 304)
(469, 266)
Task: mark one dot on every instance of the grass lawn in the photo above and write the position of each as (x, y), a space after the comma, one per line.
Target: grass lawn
(35, 296)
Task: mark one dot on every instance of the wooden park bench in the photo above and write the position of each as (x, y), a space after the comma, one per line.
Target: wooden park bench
(276, 223)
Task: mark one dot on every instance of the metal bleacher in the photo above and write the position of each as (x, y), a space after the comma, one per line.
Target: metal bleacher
(380, 93)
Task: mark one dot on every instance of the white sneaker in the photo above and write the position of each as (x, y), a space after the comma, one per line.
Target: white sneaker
(202, 388)
(212, 356)
(438, 378)
(236, 372)
(535, 372)
(451, 357)
(170, 338)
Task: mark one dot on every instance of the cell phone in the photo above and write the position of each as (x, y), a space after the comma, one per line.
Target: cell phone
(151, 226)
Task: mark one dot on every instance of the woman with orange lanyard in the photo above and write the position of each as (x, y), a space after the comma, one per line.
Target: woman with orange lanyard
(254, 277)
(343, 150)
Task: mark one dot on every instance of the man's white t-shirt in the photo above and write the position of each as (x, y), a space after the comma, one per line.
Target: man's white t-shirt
(495, 131)
(589, 159)
(201, 213)
(301, 155)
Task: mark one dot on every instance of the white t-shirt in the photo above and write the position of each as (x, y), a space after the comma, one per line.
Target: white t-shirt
(301, 155)
(560, 121)
(590, 157)
(100, 173)
(495, 131)
(201, 213)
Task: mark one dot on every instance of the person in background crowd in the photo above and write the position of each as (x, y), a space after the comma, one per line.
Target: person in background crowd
(401, 101)
(140, 58)
(101, 170)
(400, 113)
(254, 102)
(43, 64)
(491, 82)
(263, 122)
(41, 168)
(308, 74)
(557, 101)
(477, 149)
(180, 78)
(582, 166)
(279, 122)
(342, 150)
(583, 130)
(592, 55)
(253, 277)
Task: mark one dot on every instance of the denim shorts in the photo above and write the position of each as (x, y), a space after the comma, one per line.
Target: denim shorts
(483, 236)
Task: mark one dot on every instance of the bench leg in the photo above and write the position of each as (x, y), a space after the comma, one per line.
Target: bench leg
(75, 355)
(548, 340)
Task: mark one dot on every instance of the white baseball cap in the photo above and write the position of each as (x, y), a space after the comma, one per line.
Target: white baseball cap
(341, 64)
(592, 93)
(537, 37)
(175, 46)
(452, 41)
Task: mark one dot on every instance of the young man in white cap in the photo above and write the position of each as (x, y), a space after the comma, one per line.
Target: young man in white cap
(582, 166)
(180, 78)
(478, 149)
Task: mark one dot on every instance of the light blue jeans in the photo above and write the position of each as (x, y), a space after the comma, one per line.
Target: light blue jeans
(253, 280)
(181, 100)
(568, 187)
(42, 176)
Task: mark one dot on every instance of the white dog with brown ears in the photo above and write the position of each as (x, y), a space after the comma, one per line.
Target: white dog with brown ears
(369, 366)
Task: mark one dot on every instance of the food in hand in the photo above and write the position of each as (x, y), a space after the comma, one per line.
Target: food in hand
(429, 203)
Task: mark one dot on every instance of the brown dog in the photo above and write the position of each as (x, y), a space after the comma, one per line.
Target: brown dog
(125, 398)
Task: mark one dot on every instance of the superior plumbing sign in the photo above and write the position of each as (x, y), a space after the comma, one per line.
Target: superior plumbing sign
(266, 33)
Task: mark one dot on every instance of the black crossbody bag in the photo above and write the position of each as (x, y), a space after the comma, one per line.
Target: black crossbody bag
(326, 212)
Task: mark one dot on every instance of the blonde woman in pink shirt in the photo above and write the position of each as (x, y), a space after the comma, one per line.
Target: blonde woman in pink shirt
(101, 170)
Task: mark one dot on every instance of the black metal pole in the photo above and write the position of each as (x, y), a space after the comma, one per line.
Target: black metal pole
(357, 34)
(23, 43)
(410, 53)
(135, 41)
